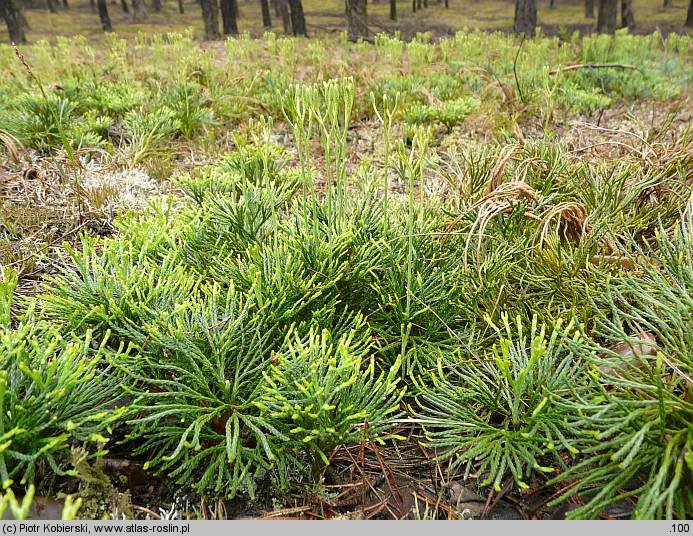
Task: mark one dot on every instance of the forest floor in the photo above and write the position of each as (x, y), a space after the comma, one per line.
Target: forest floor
(325, 18)
(483, 246)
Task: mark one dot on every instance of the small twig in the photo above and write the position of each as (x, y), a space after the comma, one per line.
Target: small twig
(599, 119)
(617, 131)
(286, 512)
(677, 370)
(494, 498)
(146, 511)
(437, 505)
(362, 461)
(608, 142)
(389, 478)
(583, 124)
(592, 66)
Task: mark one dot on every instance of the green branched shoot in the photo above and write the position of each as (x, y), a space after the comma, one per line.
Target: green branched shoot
(195, 384)
(639, 410)
(327, 392)
(502, 414)
(55, 390)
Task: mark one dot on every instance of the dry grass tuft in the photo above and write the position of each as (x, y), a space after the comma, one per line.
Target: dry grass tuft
(571, 219)
(497, 173)
(502, 200)
(13, 147)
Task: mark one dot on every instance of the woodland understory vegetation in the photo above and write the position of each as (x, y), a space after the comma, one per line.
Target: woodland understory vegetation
(349, 246)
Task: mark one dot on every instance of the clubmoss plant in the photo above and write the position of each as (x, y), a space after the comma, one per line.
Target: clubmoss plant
(386, 119)
(194, 387)
(639, 410)
(327, 393)
(55, 390)
(502, 413)
(283, 305)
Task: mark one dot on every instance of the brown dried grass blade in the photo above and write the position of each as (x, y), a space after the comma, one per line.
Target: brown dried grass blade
(571, 214)
(497, 172)
(13, 146)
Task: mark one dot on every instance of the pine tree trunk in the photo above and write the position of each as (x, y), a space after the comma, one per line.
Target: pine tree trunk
(266, 17)
(11, 11)
(92, 3)
(525, 17)
(425, 3)
(229, 12)
(20, 13)
(606, 19)
(210, 16)
(668, 3)
(298, 19)
(689, 16)
(103, 15)
(124, 6)
(156, 5)
(393, 9)
(181, 8)
(66, 5)
(589, 9)
(357, 19)
(283, 8)
(627, 15)
(413, 6)
(447, 4)
(51, 6)
(552, 3)
(138, 9)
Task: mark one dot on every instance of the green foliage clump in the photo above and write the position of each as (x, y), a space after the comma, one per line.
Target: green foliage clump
(639, 410)
(118, 288)
(502, 412)
(52, 122)
(249, 167)
(112, 99)
(195, 383)
(17, 510)
(206, 303)
(55, 390)
(20, 510)
(191, 109)
(149, 133)
(449, 113)
(578, 99)
(327, 393)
